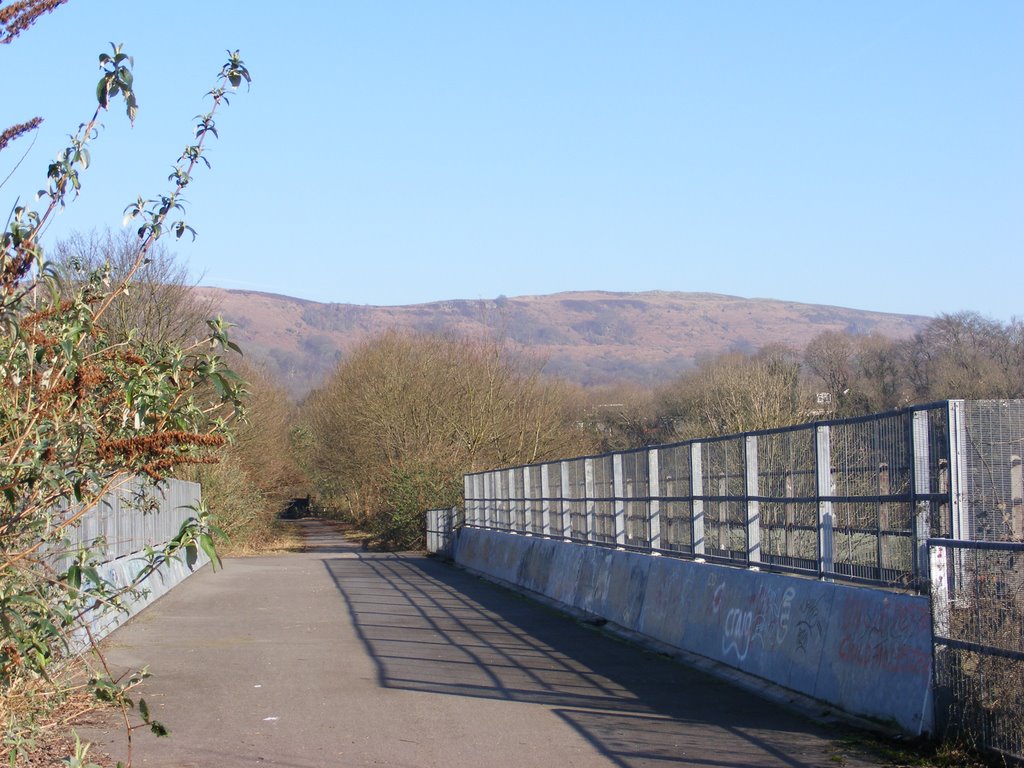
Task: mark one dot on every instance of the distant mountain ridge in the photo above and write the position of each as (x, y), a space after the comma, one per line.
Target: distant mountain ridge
(591, 337)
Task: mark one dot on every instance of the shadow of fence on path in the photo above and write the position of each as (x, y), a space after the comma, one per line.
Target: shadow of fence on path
(432, 628)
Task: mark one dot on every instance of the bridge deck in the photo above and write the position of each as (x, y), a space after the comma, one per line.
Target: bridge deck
(336, 657)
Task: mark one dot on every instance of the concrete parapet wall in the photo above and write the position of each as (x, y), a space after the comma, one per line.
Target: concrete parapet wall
(121, 572)
(864, 651)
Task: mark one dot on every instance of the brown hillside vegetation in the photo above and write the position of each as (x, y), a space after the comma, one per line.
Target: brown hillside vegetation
(590, 337)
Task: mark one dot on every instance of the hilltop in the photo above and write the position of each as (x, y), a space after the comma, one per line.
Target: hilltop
(591, 337)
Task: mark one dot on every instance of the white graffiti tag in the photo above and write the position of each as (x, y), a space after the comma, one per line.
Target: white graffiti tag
(737, 633)
(765, 622)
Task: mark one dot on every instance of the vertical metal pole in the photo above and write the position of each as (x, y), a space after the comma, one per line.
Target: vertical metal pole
(1016, 498)
(753, 504)
(823, 473)
(481, 504)
(922, 487)
(563, 468)
(527, 503)
(790, 509)
(653, 502)
(959, 511)
(619, 492)
(488, 495)
(589, 493)
(884, 489)
(939, 568)
(468, 497)
(513, 504)
(545, 502)
(696, 492)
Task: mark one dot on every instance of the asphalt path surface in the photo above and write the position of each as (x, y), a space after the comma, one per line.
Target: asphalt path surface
(338, 657)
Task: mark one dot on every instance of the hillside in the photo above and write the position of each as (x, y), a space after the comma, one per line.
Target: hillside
(590, 337)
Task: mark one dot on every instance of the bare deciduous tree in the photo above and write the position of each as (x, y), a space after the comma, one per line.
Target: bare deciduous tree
(160, 307)
(400, 421)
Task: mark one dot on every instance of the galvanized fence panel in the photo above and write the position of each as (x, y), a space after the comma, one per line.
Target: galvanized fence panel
(134, 515)
(978, 620)
(789, 506)
(993, 444)
(675, 494)
(636, 494)
(575, 498)
(441, 526)
(849, 499)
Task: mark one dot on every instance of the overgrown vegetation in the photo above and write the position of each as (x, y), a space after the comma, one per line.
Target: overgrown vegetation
(258, 473)
(85, 403)
(404, 416)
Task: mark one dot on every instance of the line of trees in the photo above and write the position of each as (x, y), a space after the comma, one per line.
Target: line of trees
(405, 416)
(961, 355)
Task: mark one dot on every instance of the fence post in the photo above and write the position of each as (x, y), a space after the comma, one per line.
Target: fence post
(922, 487)
(959, 514)
(545, 499)
(653, 502)
(563, 468)
(589, 493)
(514, 504)
(1016, 498)
(790, 510)
(823, 475)
(485, 485)
(527, 503)
(697, 503)
(468, 498)
(619, 492)
(753, 505)
(884, 489)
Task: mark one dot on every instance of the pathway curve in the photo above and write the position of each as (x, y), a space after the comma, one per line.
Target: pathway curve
(337, 657)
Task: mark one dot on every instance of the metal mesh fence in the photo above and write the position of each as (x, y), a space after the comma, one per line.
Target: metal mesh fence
(931, 496)
(853, 499)
(517, 500)
(978, 614)
(789, 509)
(603, 499)
(554, 498)
(636, 489)
(872, 477)
(534, 501)
(676, 498)
(134, 516)
(994, 445)
(503, 517)
(576, 498)
(725, 528)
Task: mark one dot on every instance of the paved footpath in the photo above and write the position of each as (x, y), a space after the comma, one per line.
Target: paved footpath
(336, 657)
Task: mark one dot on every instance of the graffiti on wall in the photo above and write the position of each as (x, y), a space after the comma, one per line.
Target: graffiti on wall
(886, 635)
(810, 625)
(762, 619)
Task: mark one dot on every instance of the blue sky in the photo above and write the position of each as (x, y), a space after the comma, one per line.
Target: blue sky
(863, 154)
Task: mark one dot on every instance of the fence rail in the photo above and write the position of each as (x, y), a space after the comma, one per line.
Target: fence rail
(851, 499)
